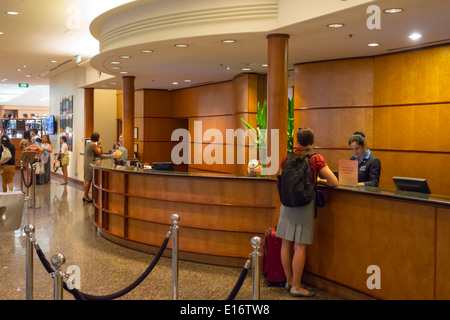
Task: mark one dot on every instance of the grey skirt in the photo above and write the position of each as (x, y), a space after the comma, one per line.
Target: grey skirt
(297, 224)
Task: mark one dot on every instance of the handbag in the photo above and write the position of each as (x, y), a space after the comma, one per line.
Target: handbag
(40, 168)
(6, 155)
(320, 195)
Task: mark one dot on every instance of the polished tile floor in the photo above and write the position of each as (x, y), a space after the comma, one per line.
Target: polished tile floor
(65, 225)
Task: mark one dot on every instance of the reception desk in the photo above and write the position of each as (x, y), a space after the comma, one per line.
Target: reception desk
(406, 235)
(219, 213)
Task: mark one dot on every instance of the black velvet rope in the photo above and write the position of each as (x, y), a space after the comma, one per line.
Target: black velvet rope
(78, 295)
(239, 283)
(23, 178)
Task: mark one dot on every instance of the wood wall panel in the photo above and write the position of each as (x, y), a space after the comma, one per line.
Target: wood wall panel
(333, 127)
(419, 127)
(334, 83)
(412, 77)
(443, 254)
(210, 100)
(405, 121)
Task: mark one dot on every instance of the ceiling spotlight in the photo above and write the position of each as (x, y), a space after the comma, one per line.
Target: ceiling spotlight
(229, 41)
(373, 44)
(123, 72)
(115, 62)
(1, 32)
(116, 68)
(181, 45)
(415, 36)
(53, 61)
(187, 80)
(125, 57)
(393, 10)
(335, 25)
(264, 65)
(146, 51)
(246, 69)
(174, 82)
(12, 13)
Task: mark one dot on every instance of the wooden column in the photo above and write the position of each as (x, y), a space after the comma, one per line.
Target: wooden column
(88, 112)
(128, 115)
(277, 91)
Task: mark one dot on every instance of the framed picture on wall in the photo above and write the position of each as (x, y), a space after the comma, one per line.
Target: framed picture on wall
(66, 120)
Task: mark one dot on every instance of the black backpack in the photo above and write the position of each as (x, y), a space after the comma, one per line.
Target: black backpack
(294, 183)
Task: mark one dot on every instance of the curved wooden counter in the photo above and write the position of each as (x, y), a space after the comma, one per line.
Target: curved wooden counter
(219, 214)
(405, 234)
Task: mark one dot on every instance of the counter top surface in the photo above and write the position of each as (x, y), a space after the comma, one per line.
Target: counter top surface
(434, 199)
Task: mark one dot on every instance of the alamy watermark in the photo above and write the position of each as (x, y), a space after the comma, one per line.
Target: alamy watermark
(214, 150)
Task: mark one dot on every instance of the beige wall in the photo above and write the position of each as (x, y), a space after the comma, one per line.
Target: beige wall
(70, 83)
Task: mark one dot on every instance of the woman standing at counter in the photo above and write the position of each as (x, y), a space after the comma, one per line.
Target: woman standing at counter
(91, 150)
(296, 224)
(369, 167)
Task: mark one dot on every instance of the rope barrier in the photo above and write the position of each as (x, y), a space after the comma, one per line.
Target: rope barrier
(239, 282)
(78, 295)
(23, 178)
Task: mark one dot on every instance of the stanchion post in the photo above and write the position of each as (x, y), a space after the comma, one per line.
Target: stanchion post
(29, 231)
(33, 176)
(175, 220)
(256, 244)
(57, 261)
(21, 179)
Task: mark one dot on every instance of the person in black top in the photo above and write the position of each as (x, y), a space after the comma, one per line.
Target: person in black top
(369, 167)
(9, 167)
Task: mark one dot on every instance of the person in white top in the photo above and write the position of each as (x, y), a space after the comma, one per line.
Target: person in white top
(64, 153)
(45, 156)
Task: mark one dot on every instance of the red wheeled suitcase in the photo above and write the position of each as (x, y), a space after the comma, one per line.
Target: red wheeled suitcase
(272, 269)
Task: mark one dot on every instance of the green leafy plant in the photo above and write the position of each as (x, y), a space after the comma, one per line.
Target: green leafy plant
(261, 124)
(290, 125)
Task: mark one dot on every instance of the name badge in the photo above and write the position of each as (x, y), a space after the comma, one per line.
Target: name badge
(363, 168)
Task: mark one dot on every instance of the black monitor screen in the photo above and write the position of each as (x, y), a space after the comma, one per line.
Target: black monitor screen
(412, 184)
(162, 166)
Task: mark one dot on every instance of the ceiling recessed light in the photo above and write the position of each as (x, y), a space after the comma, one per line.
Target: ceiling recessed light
(373, 44)
(393, 10)
(264, 65)
(113, 83)
(124, 72)
(53, 61)
(146, 51)
(125, 57)
(181, 45)
(187, 80)
(115, 62)
(174, 82)
(116, 68)
(415, 36)
(246, 69)
(335, 25)
(228, 41)
(12, 13)
(1, 32)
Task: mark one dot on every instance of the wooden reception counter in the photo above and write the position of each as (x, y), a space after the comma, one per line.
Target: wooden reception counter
(406, 235)
(219, 214)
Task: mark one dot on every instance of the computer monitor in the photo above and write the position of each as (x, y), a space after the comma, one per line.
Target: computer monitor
(162, 166)
(11, 210)
(412, 184)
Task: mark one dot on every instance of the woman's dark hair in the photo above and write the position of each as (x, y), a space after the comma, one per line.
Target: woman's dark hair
(64, 138)
(6, 142)
(358, 137)
(95, 136)
(26, 135)
(305, 138)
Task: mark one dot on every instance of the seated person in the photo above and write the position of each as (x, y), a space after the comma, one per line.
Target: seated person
(369, 167)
